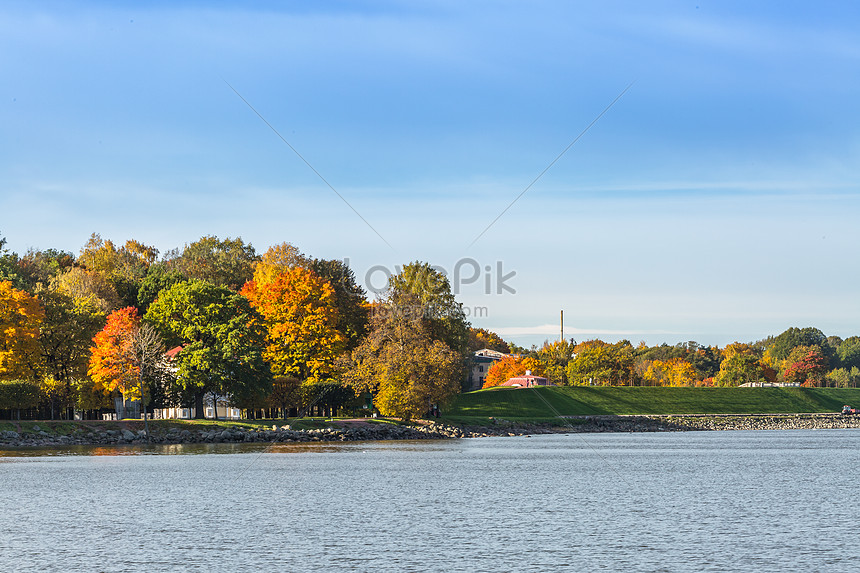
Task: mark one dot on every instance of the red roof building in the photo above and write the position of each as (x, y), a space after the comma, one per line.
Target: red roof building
(527, 380)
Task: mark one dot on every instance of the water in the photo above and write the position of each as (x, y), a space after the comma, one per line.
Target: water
(696, 501)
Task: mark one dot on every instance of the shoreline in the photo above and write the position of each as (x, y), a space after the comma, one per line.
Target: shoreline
(123, 433)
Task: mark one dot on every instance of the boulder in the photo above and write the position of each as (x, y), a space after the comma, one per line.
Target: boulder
(128, 435)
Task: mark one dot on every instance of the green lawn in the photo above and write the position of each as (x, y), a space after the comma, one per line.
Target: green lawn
(531, 404)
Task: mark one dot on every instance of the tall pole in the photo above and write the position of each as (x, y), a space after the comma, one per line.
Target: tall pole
(562, 326)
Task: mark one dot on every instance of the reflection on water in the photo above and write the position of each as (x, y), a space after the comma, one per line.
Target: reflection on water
(693, 501)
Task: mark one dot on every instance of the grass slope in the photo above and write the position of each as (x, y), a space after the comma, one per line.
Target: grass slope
(527, 404)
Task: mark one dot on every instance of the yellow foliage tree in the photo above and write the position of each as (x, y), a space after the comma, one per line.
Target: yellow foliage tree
(672, 372)
(21, 315)
(300, 316)
(511, 366)
(277, 260)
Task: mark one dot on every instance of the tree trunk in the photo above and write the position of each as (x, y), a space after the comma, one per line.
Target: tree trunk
(199, 412)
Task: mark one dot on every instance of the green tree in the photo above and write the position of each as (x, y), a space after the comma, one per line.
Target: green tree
(228, 262)
(19, 395)
(432, 297)
(350, 299)
(158, 277)
(849, 352)
(222, 340)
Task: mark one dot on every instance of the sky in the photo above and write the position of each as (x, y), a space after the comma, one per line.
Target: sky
(717, 199)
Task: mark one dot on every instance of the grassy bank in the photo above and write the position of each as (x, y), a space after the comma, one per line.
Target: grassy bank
(531, 404)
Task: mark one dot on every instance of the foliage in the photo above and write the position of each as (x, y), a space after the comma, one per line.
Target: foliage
(511, 366)
(222, 340)
(601, 364)
(227, 262)
(555, 357)
(21, 315)
(671, 372)
(66, 334)
(329, 394)
(158, 277)
(300, 317)
(37, 269)
(80, 283)
(806, 365)
(433, 298)
(849, 352)
(353, 311)
(779, 348)
(401, 362)
(111, 366)
(18, 394)
(276, 260)
(480, 338)
(124, 268)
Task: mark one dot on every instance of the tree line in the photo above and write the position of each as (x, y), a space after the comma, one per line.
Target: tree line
(275, 333)
(801, 356)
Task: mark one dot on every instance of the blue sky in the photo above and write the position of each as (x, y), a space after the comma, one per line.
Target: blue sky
(717, 200)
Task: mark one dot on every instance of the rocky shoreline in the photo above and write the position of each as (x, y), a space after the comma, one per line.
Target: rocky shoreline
(36, 436)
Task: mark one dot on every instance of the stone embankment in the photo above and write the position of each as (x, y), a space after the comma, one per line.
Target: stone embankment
(97, 435)
(711, 422)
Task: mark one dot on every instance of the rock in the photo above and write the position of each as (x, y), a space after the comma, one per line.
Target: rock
(128, 435)
(36, 428)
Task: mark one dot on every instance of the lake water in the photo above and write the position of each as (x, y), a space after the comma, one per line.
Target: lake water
(695, 501)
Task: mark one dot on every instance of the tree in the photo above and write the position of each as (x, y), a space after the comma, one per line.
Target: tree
(511, 366)
(158, 277)
(672, 372)
(112, 366)
(600, 363)
(124, 268)
(21, 315)
(480, 338)
(65, 336)
(300, 316)
(37, 269)
(278, 259)
(849, 352)
(806, 365)
(401, 363)
(780, 347)
(18, 395)
(222, 340)
(432, 295)
(353, 310)
(80, 283)
(555, 356)
(227, 262)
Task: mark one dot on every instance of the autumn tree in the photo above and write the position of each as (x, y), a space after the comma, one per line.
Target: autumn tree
(278, 259)
(600, 363)
(849, 352)
(222, 339)
(805, 365)
(17, 395)
(80, 283)
(555, 356)
(111, 365)
(511, 366)
(21, 316)
(742, 364)
(124, 267)
(401, 363)
(671, 372)
(480, 338)
(300, 317)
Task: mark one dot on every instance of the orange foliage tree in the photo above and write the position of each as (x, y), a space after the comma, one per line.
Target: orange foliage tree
(511, 366)
(111, 366)
(300, 315)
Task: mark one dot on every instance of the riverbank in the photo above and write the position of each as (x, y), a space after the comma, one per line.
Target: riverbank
(37, 434)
